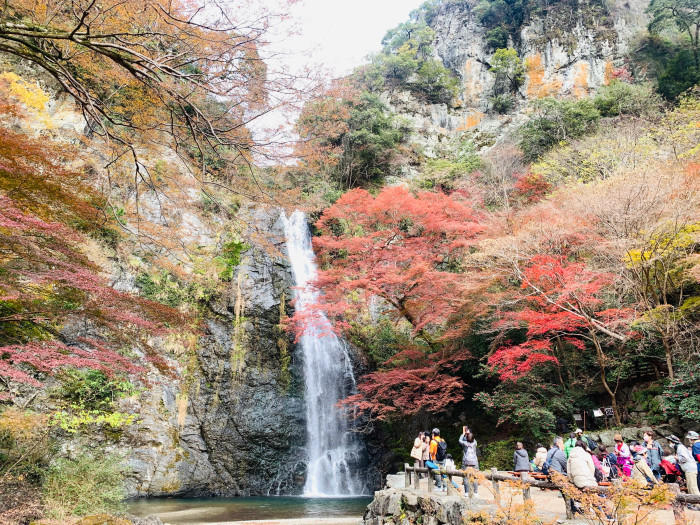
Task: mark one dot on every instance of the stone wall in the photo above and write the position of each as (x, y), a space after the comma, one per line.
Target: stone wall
(398, 507)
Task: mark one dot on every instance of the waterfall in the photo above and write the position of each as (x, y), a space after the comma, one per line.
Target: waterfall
(334, 453)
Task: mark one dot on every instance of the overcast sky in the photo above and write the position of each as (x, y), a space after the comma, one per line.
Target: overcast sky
(340, 33)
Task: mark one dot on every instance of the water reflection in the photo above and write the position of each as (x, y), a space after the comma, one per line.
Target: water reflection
(212, 510)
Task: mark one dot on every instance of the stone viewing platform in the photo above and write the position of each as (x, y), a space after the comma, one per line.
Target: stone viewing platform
(400, 503)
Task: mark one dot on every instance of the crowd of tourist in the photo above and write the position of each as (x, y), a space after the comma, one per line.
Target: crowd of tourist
(584, 461)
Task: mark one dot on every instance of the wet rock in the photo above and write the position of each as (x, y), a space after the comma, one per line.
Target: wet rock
(236, 425)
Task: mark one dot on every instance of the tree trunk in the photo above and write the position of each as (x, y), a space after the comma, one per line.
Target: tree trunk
(603, 379)
(669, 357)
(560, 347)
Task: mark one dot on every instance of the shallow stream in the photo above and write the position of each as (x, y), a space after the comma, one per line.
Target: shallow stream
(180, 511)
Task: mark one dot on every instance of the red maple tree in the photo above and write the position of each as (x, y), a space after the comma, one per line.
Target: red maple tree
(563, 305)
(404, 251)
(47, 281)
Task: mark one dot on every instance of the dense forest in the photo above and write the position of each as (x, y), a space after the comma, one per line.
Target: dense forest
(508, 279)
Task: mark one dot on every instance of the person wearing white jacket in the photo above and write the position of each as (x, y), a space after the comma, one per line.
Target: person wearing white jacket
(580, 467)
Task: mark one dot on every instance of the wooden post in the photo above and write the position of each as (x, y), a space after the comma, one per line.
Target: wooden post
(567, 505)
(416, 478)
(678, 506)
(496, 488)
(407, 475)
(430, 480)
(524, 476)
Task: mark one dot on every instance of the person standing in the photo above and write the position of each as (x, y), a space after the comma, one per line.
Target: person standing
(586, 440)
(687, 463)
(469, 457)
(694, 438)
(417, 451)
(521, 460)
(655, 453)
(570, 444)
(426, 450)
(438, 454)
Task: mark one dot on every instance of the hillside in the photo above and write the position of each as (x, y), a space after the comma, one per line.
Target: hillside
(505, 214)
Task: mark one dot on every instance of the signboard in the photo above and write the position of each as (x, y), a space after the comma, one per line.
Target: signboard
(597, 412)
(609, 411)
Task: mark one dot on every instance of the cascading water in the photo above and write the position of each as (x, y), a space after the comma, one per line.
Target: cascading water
(334, 453)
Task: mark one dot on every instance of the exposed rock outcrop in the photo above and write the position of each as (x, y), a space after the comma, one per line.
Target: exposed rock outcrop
(234, 423)
(568, 49)
(398, 507)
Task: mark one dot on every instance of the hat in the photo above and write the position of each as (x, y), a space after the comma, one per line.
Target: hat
(617, 437)
(578, 431)
(673, 439)
(692, 435)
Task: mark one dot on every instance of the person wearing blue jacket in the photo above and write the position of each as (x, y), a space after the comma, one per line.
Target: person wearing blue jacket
(655, 453)
(694, 439)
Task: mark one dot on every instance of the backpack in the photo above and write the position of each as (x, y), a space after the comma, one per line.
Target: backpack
(598, 474)
(441, 451)
(591, 444)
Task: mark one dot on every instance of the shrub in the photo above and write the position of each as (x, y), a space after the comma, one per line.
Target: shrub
(24, 444)
(556, 121)
(621, 98)
(166, 288)
(497, 37)
(681, 397)
(444, 173)
(380, 340)
(92, 389)
(502, 103)
(498, 454)
(435, 83)
(508, 68)
(405, 62)
(230, 258)
(679, 75)
(90, 484)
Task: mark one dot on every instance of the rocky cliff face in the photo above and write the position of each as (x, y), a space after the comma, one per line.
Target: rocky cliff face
(569, 50)
(234, 423)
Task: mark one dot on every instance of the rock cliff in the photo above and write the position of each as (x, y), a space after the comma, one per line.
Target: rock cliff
(567, 50)
(233, 424)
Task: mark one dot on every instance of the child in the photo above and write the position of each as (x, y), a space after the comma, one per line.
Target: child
(450, 465)
(449, 462)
